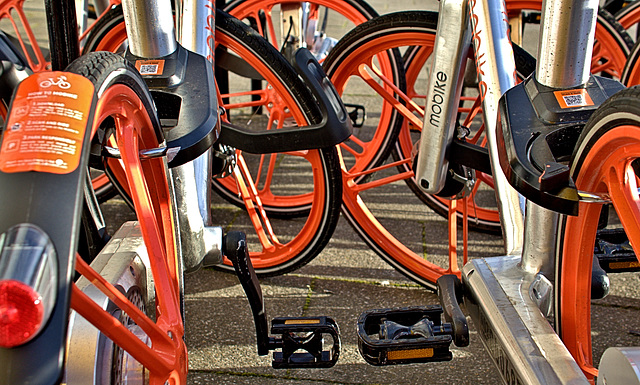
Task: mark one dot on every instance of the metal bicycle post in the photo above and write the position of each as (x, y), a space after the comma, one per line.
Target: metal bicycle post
(157, 38)
(191, 181)
(567, 35)
(196, 32)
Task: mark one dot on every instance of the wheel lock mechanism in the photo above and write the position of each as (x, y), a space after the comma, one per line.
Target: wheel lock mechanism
(415, 334)
(538, 129)
(301, 341)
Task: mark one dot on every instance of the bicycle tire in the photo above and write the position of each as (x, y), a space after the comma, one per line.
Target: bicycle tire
(631, 73)
(612, 46)
(324, 184)
(127, 108)
(629, 15)
(604, 163)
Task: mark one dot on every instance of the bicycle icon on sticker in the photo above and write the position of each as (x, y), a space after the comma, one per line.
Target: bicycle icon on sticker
(60, 82)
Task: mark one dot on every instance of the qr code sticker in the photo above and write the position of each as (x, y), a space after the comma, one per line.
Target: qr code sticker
(149, 69)
(574, 100)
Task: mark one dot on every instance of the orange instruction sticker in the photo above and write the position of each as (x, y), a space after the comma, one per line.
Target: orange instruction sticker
(47, 124)
(573, 98)
(150, 67)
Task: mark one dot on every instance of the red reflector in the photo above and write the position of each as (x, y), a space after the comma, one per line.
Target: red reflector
(21, 313)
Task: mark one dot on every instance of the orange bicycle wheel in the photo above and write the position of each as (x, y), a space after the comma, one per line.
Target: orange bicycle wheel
(356, 67)
(374, 131)
(605, 163)
(611, 49)
(263, 183)
(315, 173)
(125, 112)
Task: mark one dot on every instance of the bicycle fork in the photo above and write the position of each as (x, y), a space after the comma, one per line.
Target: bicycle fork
(481, 26)
(176, 73)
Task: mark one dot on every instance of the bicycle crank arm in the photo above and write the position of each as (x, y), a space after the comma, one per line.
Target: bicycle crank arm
(334, 128)
(297, 333)
(450, 295)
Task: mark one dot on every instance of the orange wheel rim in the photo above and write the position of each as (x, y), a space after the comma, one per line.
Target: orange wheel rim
(607, 170)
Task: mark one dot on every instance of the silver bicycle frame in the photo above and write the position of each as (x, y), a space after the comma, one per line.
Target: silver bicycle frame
(510, 296)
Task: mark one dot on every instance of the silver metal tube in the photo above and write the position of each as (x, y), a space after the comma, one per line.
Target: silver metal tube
(492, 45)
(196, 26)
(196, 31)
(566, 42)
(450, 53)
(539, 240)
(197, 241)
(150, 27)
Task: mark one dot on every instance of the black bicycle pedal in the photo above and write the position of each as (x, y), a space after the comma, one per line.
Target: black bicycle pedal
(300, 339)
(357, 114)
(404, 336)
(302, 342)
(614, 252)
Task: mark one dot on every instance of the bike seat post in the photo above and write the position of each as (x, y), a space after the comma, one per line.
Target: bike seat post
(566, 42)
(564, 61)
(150, 27)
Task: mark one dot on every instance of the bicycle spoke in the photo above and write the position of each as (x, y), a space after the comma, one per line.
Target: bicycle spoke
(256, 212)
(356, 188)
(416, 108)
(253, 103)
(626, 200)
(395, 103)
